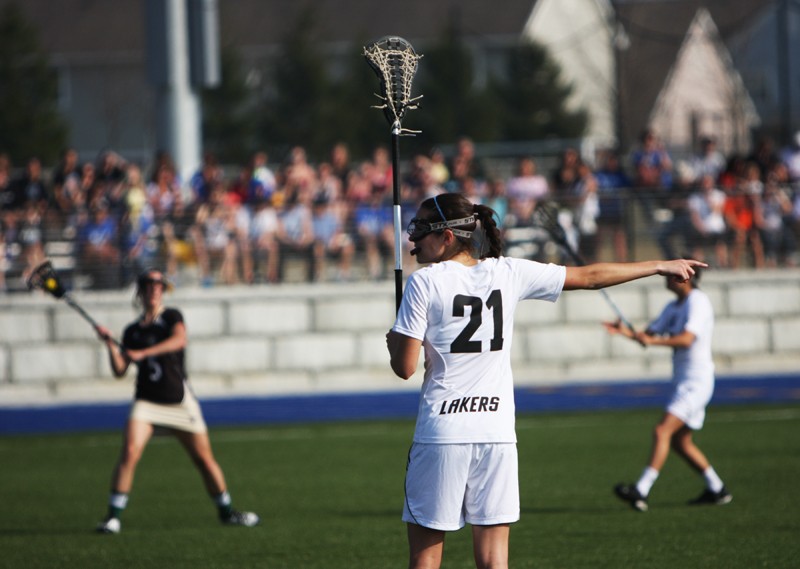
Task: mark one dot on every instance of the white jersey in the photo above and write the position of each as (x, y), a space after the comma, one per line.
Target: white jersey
(696, 315)
(465, 319)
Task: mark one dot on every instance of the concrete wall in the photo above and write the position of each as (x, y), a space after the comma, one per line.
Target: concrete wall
(298, 339)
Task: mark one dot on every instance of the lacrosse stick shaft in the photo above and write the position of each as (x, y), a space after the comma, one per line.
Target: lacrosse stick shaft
(79, 309)
(398, 218)
(557, 233)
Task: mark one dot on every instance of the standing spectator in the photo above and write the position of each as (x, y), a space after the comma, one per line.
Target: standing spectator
(613, 185)
(685, 325)
(679, 226)
(462, 466)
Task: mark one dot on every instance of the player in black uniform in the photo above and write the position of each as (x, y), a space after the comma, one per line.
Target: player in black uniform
(155, 343)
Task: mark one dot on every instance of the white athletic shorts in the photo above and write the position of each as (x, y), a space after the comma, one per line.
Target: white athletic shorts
(689, 402)
(450, 484)
(183, 416)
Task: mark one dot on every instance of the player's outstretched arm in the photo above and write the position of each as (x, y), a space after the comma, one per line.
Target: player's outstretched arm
(601, 275)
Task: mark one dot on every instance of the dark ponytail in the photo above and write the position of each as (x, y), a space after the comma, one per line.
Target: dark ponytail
(492, 242)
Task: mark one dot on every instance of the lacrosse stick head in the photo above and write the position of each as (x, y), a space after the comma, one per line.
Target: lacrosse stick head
(394, 61)
(545, 215)
(44, 277)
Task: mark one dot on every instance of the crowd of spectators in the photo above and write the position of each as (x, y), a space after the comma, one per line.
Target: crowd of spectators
(244, 226)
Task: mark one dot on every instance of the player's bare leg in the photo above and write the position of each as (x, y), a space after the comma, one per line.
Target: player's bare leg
(425, 547)
(136, 436)
(198, 445)
(490, 546)
(683, 444)
(662, 440)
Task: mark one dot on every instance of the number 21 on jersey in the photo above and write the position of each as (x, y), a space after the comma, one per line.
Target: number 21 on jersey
(464, 343)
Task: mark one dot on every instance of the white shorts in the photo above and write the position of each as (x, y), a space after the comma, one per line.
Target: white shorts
(183, 416)
(448, 485)
(689, 402)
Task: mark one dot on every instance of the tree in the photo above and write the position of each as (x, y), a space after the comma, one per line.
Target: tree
(293, 112)
(228, 128)
(451, 105)
(531, 97)
(30, 124)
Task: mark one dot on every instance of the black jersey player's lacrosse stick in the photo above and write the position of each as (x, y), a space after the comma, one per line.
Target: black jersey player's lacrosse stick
(545, 215)
(395, 62)
(44, 277)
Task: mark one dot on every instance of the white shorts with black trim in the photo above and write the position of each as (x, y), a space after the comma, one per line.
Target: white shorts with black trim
(452, 484)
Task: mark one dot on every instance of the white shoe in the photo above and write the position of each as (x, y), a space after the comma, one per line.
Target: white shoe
(111, 525)
(247, 519)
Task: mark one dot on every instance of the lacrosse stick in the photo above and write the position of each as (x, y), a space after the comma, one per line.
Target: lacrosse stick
(44, 277)
(546, 216)
(395, 63)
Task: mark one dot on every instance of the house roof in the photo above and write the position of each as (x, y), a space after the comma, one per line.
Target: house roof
(656, 30)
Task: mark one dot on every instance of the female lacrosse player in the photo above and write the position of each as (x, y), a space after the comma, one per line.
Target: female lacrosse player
(462, 466)
(685, 325)
(155, 343)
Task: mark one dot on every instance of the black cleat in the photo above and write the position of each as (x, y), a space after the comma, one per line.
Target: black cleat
(629, 493)
(712, 498)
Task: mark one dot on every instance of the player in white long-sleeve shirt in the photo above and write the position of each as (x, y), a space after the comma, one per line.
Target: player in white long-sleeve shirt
(686, 325)
(462, 467)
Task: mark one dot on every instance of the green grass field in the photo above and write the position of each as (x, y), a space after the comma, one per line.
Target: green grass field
(330, 496)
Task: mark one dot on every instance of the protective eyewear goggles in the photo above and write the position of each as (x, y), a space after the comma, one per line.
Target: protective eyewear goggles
(419, 228)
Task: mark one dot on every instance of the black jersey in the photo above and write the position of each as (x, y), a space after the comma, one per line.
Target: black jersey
(159, 378)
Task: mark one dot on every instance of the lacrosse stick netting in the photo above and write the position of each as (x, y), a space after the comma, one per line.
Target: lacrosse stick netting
(395, 62)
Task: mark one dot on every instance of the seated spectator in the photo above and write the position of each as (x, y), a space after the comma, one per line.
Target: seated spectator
(526, 189)
(652, 166)
(706, 207)
(30, 236)
(264, 238)
(296, 232)
(264, 175)
(739, 212)
(773, 220)
(330, 240)
(375, 230)
(214, 239)
(708, 160)
(613, 186)
(99, 255)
